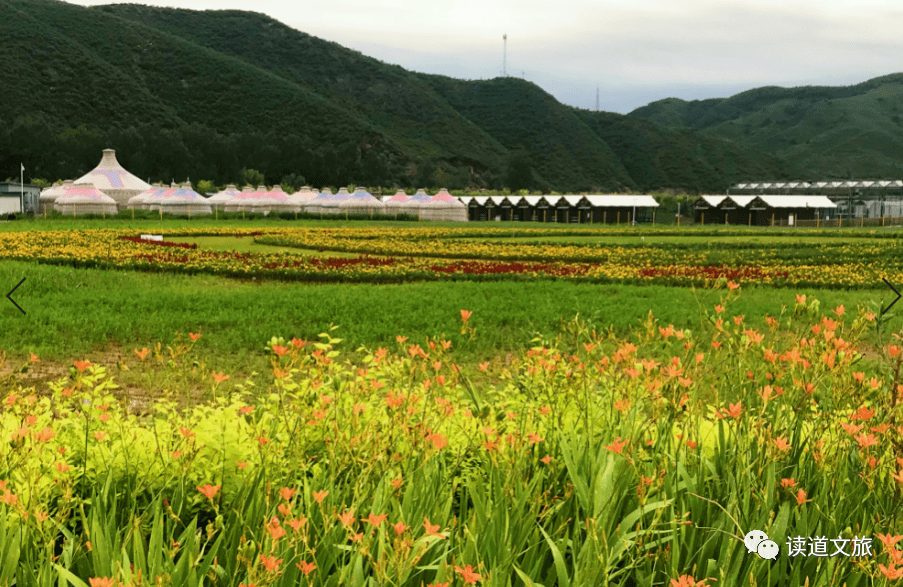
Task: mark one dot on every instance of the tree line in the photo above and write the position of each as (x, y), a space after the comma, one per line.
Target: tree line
(176, 154)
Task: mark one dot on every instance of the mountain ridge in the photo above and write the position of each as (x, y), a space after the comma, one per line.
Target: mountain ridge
(185, 93)
(819, 131)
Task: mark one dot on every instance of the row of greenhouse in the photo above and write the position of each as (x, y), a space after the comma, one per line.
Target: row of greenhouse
(83, 198)
(110, 189)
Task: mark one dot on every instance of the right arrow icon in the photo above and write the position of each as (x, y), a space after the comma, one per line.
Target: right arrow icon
(893, 302)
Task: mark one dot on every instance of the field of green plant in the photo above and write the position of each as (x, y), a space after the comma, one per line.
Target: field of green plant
(172, 429)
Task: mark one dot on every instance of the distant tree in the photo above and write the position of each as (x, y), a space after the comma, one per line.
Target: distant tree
(251, 177)
(292, 182)
(374, 168)
(458, 178)
(426, 174)
(205, 186)
(519, 170)
(40, 182)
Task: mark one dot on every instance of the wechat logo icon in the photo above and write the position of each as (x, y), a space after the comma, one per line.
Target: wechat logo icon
(758, 542)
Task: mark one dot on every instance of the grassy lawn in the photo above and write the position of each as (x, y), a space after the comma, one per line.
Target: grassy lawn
(247, 245)
(103, 315)
(74, 310)
(149, 224)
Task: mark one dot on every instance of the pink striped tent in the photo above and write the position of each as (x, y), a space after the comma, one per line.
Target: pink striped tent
(393, 204)
(219, 199)
(84, 198)
(113, 179)
(50, 195)
(139, 200)
(185, 201)
(444, 207)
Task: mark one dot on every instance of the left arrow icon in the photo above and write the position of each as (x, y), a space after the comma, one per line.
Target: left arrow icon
(8, 296)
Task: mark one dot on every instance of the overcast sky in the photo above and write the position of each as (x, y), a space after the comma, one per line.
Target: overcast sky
(635, 51)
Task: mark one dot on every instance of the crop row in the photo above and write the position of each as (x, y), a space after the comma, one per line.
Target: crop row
(430, 254)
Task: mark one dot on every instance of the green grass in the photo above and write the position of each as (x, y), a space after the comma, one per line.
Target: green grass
(105, 314)
(247, 245)
(693, 233)
(72, 311)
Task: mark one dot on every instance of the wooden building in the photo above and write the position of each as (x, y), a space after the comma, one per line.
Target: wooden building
(760, 210)
(568, 209)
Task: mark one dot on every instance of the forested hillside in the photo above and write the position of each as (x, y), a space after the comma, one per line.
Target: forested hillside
(206, 94)
(819, 132)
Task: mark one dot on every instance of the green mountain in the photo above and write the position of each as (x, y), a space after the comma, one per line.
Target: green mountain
(658, 155)
(819, 132)
(520, 115)
(204, 94)
(396, 101)
(165, 102)
(473, 124)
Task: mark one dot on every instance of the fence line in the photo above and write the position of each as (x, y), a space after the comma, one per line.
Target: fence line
(841, 222)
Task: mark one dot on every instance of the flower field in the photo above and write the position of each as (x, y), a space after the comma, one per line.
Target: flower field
(586, 459)
(411, 254)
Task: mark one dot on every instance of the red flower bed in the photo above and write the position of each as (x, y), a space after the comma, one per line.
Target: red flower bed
(715, 272)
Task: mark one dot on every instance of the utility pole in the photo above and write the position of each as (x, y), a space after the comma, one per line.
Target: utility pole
(504, 55)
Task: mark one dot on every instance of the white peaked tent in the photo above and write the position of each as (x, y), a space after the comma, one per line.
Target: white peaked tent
(274, 200)
(305, 194)
(139, 200)
(50, 195)
(84, 198)
(444, 206)
(362, 202)
(113, 180)
(324, 203)
(415, 203)
(393, 204)
(185, 201)
(153, 201)
(328, 202)
(240, 201)
(55, 188)
(296, 200)
(219, 199)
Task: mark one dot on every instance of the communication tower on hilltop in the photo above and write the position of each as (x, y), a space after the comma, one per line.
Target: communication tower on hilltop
(504, 55)
(597, 98)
